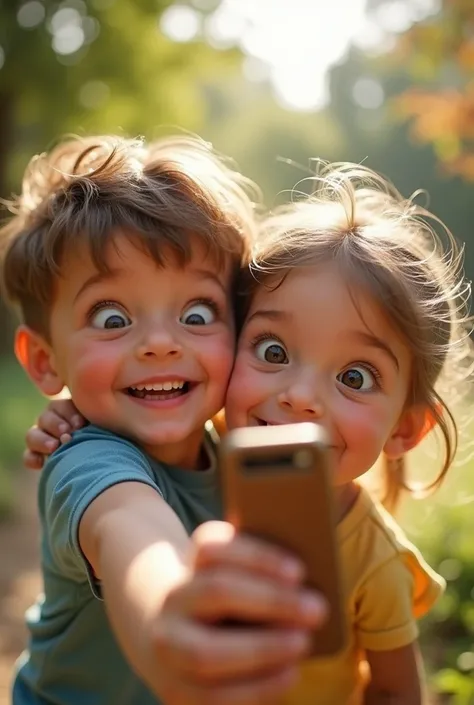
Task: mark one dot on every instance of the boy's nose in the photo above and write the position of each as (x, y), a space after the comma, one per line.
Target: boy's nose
(158, 344)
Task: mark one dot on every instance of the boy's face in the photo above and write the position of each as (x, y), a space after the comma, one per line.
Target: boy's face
(145, 351)
(309, 352)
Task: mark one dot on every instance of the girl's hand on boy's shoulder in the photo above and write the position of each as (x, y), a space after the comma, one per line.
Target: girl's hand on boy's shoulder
(235, 630)
(53, 427)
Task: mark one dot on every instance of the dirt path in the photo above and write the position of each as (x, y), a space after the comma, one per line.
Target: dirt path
(19, 578)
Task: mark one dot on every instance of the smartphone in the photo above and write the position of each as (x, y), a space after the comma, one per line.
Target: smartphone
(276, 484)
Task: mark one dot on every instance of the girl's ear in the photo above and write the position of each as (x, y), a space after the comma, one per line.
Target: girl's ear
(37, 358)
(414, 424)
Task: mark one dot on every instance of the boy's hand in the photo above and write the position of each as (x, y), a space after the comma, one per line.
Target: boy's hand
(54, 426)
(235, 579)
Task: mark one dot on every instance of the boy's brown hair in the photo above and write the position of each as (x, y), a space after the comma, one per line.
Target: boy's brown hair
(87, 189)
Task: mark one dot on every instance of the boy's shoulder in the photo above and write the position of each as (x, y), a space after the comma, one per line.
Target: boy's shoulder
(98, 436)
(93, 460)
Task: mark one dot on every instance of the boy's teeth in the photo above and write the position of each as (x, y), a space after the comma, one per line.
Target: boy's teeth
(159, 386)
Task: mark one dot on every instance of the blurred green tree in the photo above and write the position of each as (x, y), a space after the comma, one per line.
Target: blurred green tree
(439, 55)
(98, 64)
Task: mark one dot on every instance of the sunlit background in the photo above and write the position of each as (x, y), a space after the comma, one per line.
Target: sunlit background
(272, 83)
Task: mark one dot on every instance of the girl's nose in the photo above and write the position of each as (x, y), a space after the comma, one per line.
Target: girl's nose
(302, 399)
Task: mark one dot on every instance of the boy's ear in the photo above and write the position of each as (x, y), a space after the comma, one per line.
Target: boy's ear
(36, 357)
(414, 424)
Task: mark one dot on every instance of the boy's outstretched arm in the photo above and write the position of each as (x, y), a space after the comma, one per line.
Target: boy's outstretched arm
(164, 611)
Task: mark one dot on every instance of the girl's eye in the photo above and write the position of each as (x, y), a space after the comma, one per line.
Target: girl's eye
(110, 317)
(359, 378)
(198, 314)
(271, 351)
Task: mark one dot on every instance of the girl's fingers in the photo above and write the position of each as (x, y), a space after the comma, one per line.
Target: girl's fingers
(216, 543)
(230, 594)
(33, 461)
(53, 423)
(41, 442)
(65, 409)
(214, 656)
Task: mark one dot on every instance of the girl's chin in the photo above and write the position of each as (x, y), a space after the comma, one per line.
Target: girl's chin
(234, 421)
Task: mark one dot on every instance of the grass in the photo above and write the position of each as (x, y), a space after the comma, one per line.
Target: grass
(441, 526)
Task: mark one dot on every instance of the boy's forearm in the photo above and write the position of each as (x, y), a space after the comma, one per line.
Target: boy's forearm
(133, 595)
(136, 546)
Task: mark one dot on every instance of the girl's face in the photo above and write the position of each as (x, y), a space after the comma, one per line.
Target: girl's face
(313, 350)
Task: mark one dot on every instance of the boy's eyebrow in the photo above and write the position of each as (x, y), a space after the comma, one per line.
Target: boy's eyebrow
(208, 274)
(374, 342)
(114, 273)
(272, 314)
(96, 279)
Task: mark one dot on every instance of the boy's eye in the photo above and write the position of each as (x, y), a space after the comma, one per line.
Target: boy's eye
(110, 317)
(358, 378)
(271, 351)
(198, 315)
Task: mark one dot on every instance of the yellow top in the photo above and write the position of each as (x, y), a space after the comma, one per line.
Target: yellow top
(387, 586)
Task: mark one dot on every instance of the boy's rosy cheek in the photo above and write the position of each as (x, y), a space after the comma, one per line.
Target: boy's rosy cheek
(95, 371)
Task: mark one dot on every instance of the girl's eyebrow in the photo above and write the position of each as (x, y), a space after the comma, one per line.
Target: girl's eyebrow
(374, 342)
(271, 314)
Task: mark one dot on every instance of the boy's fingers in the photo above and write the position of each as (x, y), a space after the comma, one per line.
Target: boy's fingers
(33, 461)
(40, 442)
(264, 690)
(216, 543)
(216, 596)
(210, 655)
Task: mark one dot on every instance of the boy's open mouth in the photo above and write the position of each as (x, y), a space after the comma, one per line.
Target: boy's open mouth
(160, 390)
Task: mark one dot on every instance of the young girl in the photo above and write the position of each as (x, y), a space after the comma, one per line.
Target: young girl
(354, 317)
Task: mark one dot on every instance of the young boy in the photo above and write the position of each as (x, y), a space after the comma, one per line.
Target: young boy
(122, 258)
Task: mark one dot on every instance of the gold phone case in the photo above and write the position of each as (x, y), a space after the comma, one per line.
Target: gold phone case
(277, 486)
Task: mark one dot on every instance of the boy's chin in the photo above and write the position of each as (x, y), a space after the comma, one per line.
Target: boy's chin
(166, 434)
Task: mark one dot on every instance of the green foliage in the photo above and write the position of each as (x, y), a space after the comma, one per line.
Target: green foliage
(126, 76)
(442, 527)
(19, 408)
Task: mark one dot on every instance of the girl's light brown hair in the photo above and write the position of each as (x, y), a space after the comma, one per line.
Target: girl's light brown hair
(85, 190)
(407, 260)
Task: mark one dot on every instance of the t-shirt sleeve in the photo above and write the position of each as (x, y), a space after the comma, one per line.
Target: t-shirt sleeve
(384, 610)
(73, 478)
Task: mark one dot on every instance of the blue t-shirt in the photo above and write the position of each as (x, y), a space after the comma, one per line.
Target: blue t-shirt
(73, 657)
